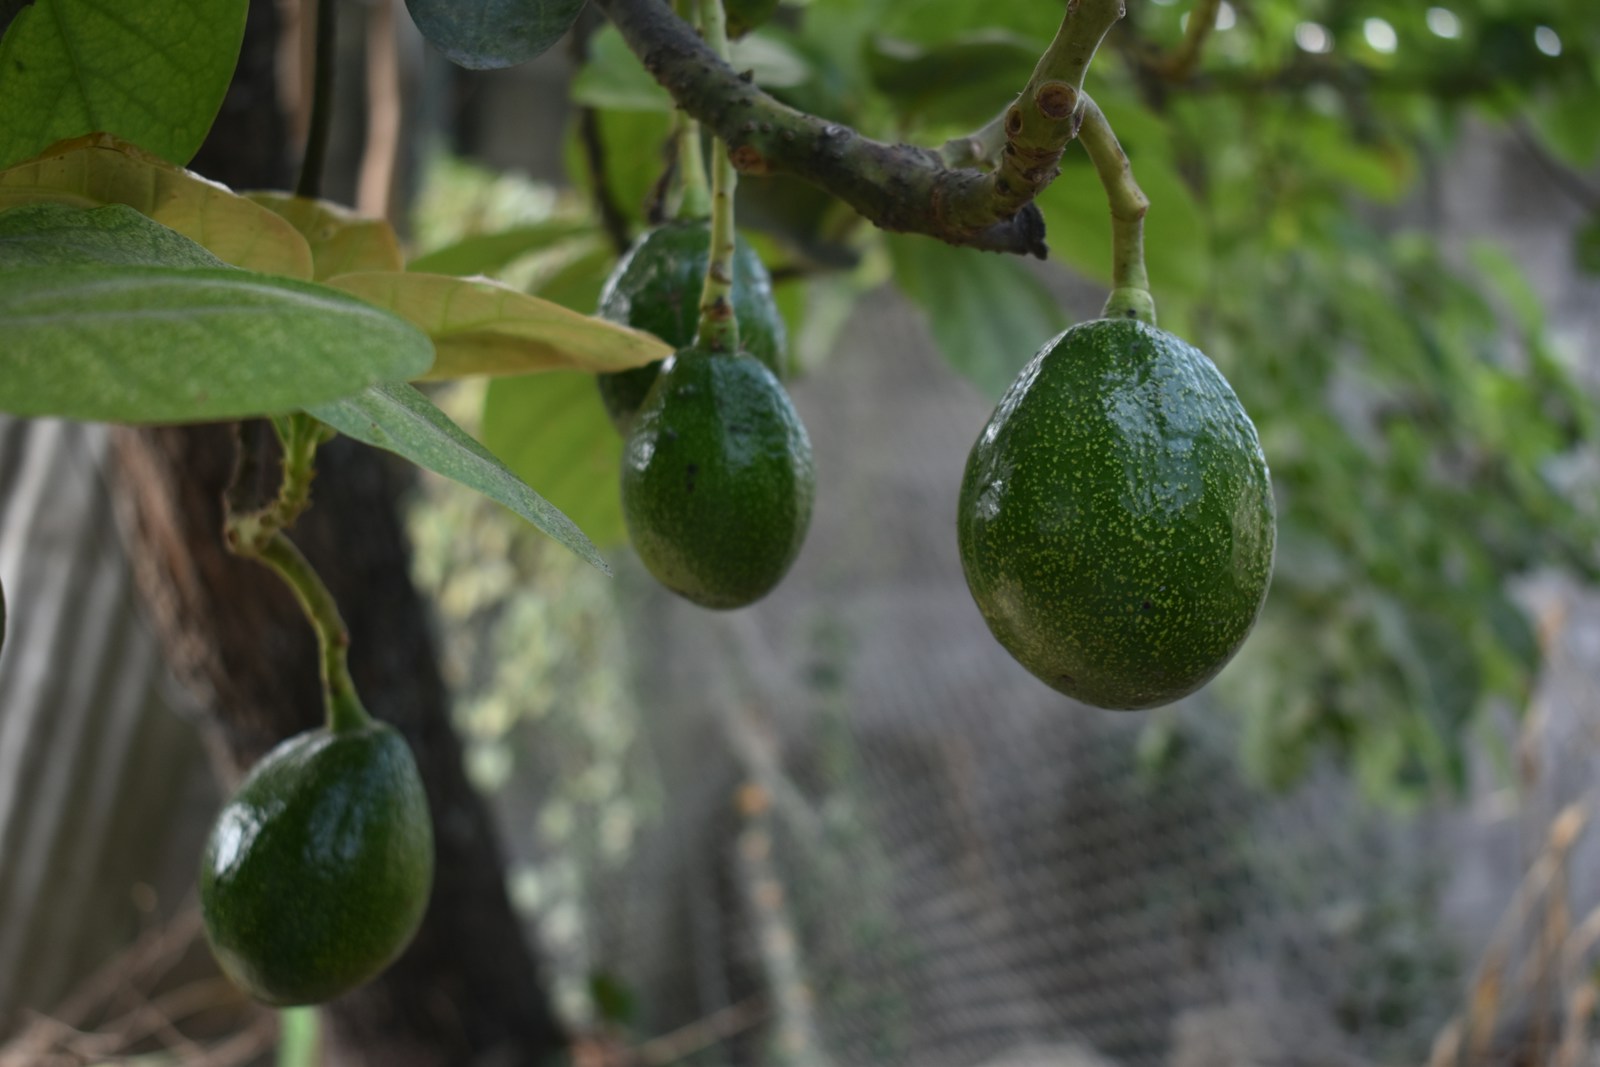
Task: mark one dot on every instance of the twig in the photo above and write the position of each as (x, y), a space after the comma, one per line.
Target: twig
(701, 1034)
(898, 187)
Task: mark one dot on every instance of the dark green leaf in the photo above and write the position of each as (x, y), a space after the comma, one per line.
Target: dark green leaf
(155, 344)
(53, 235)
(396, 417)
(152, 72)
(965, 79)
(988, 314)
(489, 34)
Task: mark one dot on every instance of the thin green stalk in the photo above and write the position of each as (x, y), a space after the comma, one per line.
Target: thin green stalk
(694, 191)
(259, 535)
(344, 710)
(1130, 283)
(719, 329)
(311, 164)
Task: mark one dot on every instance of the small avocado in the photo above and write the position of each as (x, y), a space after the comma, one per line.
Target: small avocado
(317, 872)
(1116, 521)
(717, 479)
(656, 288)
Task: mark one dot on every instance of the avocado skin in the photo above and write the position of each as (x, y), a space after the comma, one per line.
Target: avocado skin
(1116, 521)
(717, 479)
(317, 873)
(656, 288)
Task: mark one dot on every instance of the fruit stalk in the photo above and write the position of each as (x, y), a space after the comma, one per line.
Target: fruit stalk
(344, 709)
(259, 535)
(1130, 283)
(719, 328)
(694, 197)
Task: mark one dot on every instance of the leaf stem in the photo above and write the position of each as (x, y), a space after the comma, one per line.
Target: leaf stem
(309, 184)
(1130, 292)
(719, 329)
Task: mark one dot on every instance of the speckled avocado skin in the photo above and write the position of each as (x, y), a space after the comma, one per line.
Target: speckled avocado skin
(717, 479)
(656, 288)
(1116, 522)
(317, 872)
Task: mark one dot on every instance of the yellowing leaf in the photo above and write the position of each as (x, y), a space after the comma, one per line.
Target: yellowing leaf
(479, 326)
(101, 169)
(342, 242)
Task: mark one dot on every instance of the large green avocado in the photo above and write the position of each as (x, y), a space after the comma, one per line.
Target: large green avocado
(656, 288)
(1116, 522)
(717, 479)
(317, 872)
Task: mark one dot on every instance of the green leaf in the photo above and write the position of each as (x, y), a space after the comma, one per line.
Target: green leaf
(480, 326)
(396, 417)
(988, 314)
(489, 34)
(153, 72)
(156, 344)
(964, 80)
(552, 431)
(613, 80)
(486, 253)
(54, 235)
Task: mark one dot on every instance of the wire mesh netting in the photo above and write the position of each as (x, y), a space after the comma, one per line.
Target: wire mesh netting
(844, 828)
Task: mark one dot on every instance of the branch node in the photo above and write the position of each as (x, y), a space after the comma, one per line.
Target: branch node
(1056, 100)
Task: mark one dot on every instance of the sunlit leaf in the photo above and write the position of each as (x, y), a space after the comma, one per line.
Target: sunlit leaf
(153, 72)
(101, 169)
(341, 241)
(482, 327)
(396, 417)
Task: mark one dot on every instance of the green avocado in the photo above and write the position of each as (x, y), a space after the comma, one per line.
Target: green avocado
(317, 872)
(717, 479)
(1116, 522)
(656, 288)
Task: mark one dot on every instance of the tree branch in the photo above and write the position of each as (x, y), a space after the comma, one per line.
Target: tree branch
(901, 188)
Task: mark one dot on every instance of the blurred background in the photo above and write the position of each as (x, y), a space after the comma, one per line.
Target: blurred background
(843, 827)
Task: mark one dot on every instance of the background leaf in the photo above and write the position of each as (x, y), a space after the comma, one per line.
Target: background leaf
(155, 344)
(153, 72)
(100, 169)
(483, 327)
(488, 34)
(988, 314)
(553, 432)
(396, 417)
(486, 253)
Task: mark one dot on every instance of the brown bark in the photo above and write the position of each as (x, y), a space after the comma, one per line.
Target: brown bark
(467, 991)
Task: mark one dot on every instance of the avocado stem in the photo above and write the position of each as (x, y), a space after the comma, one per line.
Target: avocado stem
(719, 329)
(344, 710)
(1130, 283)
(693, 188)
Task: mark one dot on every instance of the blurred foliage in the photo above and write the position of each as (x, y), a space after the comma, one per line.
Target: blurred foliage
(1427, 439)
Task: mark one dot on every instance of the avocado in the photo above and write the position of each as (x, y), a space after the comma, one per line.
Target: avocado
(656, 288)
(318, 870)
(717, 479)
(1116, 521)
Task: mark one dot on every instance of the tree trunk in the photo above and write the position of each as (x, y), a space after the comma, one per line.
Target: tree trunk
(467, 991)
